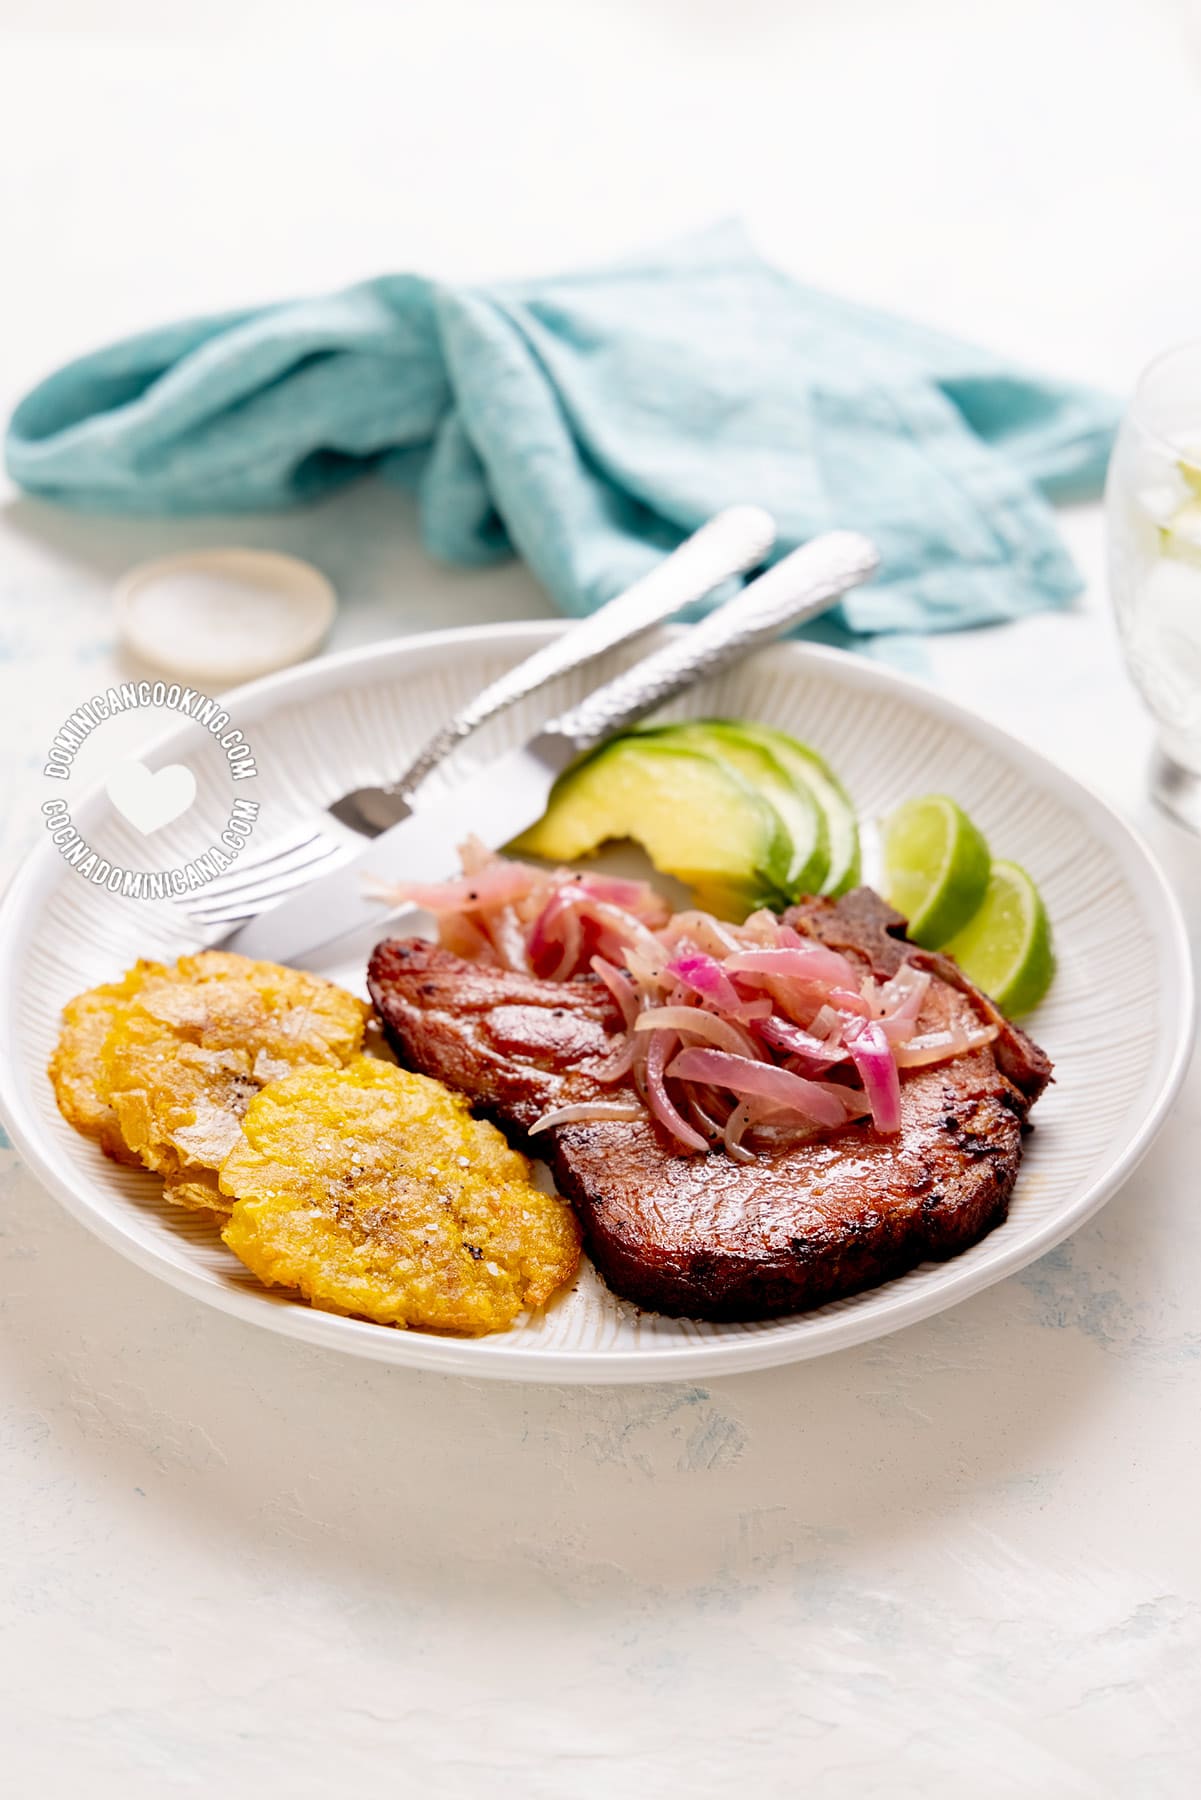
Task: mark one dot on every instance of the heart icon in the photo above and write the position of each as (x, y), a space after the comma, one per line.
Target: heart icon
(150, 799)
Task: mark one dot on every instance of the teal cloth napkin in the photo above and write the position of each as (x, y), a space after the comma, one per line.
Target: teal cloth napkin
(590, 421)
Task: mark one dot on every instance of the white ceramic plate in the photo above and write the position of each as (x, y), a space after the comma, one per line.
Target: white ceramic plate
(347, 720)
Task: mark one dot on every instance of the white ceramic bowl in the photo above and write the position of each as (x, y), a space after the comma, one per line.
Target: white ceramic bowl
(1118, 1021)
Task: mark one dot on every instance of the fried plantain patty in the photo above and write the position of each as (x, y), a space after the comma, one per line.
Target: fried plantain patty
(163, 1065)
(75, 1065)
(374, 1192)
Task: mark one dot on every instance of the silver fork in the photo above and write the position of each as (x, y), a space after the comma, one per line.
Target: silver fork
(733, 540)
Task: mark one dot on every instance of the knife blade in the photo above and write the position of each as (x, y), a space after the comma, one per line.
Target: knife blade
(495, 805)
(511, 793)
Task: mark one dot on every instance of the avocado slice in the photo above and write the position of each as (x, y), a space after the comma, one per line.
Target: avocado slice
(695, 816)
(732, 742)
(808, 769)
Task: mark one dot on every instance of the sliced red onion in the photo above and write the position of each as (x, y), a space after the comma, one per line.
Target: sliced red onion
(783, 1035)
(620, 986)
(897, 1030)
(802, 963)
(850, 1000)
(648, 977)
(554, 944)
(625, 1110)
(508, 939)
(705, 976)
(708, 1126)
(907, 1009)
(772, 1125)
(908, 986)
(747, 1011)
(659, 1048)
(703, 932)
(475, 855)
(621, 932)
(819, 1101)
(736, 1126)
(700, 1023)
(854, 1099)
(941, 1046)
(900, 1003)
(637, 897)
(460, 934)
(827, 1024)
(799, 1001)
(764, 929)
(873, 1057)
(496, 885)
(621, 1063)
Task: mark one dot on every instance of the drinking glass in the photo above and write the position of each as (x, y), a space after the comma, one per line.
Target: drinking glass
(1153, 511)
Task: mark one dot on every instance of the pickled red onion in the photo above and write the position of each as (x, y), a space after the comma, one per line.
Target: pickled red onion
(783, 1035)
(659, 1048)
(497, 885)
(873, 1057)
(585, 1111)
(705, 976)
(701, 1023)
(620, 986)
(808, 964)
(817, 1101)
(727, 1029)
(941, 1046)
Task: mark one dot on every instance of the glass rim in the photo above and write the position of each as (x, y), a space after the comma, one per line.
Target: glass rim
(1173, 446)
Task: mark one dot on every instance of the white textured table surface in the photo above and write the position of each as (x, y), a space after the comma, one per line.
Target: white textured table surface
(963, 1561)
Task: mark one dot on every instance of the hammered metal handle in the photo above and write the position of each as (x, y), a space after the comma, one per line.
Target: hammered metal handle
(797, 589)
(737, 538)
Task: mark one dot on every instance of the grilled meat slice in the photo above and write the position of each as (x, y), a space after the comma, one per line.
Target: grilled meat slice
(704, 1236)
(515, 1046)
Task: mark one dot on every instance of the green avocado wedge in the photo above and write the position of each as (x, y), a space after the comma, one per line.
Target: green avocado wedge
(694, 815)
(808, 769)
(729, 741)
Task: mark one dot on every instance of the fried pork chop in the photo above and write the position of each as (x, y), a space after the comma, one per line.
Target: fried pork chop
(703, 1236)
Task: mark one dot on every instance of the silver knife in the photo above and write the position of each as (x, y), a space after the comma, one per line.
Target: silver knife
(500, 801)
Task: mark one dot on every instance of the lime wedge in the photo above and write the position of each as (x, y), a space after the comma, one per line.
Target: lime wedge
(1006, 948)
(936, 867)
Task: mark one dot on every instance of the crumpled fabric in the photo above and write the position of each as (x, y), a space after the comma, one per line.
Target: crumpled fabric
(589, 422)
